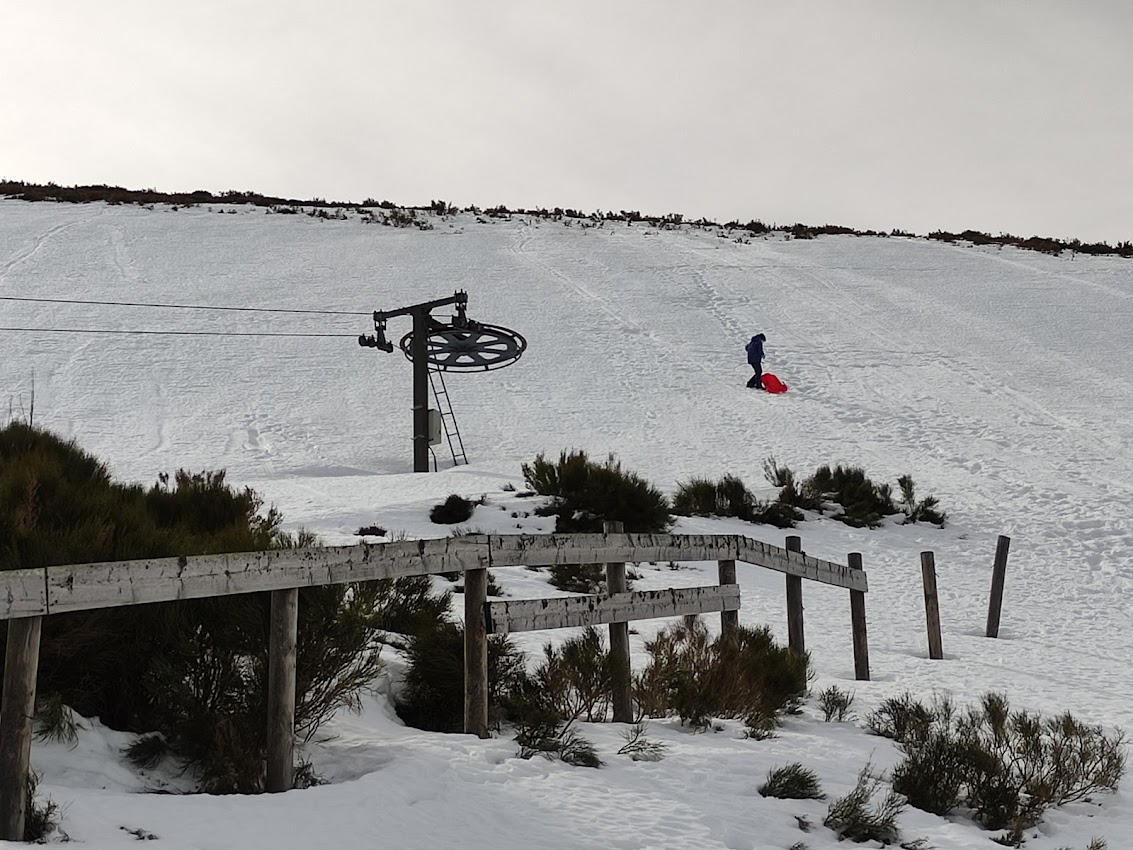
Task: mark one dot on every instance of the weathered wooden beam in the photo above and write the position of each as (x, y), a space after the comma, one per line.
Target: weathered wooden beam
(476, 653)
(799, 564)
(796, 633)
(17, 712)
(537, 550)
(931, 605)
(529, 614)
(622, 685)
(105, 585)
(998, 577)
(858, 625)
(282, 643)
(23, 593)
(729, 620)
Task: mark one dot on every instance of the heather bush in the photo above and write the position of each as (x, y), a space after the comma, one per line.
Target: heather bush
(856, 817)
(923, 510)
(742, 674)
(452, 510)
(583, 494)
(835, 703)
(792, 782)
(1005, 767)
(863, 502)
(432, 696)
(730, 497)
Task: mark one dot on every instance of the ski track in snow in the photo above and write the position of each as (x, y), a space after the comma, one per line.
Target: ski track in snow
(999, 379)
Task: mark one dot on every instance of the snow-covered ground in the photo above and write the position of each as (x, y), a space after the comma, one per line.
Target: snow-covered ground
(1001, 380)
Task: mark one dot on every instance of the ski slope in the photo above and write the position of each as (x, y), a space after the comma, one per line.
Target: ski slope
(1001, 380)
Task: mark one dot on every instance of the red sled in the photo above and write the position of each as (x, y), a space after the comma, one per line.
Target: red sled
(773, 384)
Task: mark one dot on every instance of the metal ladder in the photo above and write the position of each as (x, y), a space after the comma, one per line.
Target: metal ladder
(448, 418)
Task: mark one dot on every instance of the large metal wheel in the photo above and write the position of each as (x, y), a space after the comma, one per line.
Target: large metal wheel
(475, 348)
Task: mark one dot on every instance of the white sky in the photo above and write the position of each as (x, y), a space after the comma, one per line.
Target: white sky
(999, 116)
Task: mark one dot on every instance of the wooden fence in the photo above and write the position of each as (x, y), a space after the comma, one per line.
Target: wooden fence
(26, 596)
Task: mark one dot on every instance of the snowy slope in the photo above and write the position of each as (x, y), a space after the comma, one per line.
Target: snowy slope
(999, 379)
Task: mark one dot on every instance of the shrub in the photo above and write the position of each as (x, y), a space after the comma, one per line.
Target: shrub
(924, 510)
(194, 671)
(584, 494)
(640, 748)
(695, 497)
(854, 816)
(741, 674)
(729, 497)
(578, 578)
(572, 682)
(1006, 767)
(793, 782)
(433, 694)
(40, 820)
(863, 502)
(54, 721)
(556, 740)
(452, 510)
(904, 718)
(835, 703)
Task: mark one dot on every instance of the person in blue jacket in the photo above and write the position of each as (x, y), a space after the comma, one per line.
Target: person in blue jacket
(755, 359)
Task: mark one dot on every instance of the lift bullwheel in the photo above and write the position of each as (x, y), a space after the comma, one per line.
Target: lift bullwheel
(477, 347)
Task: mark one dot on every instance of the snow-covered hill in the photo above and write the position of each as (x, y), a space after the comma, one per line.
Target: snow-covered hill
(1001, 380)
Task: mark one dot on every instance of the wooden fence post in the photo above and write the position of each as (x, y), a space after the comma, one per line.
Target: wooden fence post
(475, 653)
(282, 642)
(729, 620)
(857, 624)
(17, 712)
(931, 605)
(619, 639)
(998, 574)
(796, 639)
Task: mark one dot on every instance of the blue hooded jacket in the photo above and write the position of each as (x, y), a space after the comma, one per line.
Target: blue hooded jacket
(755, 350)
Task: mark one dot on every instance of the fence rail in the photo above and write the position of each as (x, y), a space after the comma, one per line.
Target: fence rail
(55, 590)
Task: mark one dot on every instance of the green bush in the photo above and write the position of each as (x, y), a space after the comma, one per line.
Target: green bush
(742, 674)
(1006, 767)
(193, 671)
(792, 782)
(452, 510)
(578, 578)
(556, 740)
(835, 704)
(40, 820)
(584, 494)
(863, 502)
(924, 510)
(856, 818)
(572, 682)
(433, 694)
(730, 497)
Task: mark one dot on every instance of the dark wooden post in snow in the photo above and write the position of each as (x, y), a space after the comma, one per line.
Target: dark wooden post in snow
(475, 653)
(619, 639)
(857, 624)
(931, 605)
(998, 574)
(17, 711)
(795, 635)
(282, 641)
(729, 620)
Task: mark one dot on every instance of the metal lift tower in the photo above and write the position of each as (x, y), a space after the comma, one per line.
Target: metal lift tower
(462, 345)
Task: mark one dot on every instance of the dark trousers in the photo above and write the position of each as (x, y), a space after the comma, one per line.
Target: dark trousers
(756, 380)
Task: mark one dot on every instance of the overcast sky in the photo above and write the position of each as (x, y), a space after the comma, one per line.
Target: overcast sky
(993, 115)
